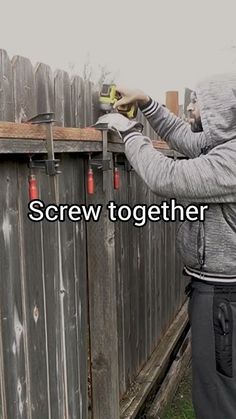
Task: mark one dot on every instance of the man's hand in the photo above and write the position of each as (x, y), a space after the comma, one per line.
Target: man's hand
(131, 97)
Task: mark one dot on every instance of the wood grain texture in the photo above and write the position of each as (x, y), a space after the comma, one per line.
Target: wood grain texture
(123, 277)
(154, 368)
(46, 268)
(28, 146)
(6, 88)
(102, 300)
(38, 132)
(77, 102)
(88, 104)
(44, 88)
(171, 381)
(73, 262)
(62, 99)
(30, 239)
(24, 90)
(15, 383)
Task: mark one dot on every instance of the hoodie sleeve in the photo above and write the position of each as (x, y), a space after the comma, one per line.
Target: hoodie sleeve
(208, 178)
(174, 130)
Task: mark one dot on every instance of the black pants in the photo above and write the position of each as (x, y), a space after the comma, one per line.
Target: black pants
(212, 313)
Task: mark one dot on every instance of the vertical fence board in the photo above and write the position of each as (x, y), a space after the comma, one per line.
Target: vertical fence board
(141, 280)
(123, 291)
(172, 262)
(6, 88)
(156, 252)
(13, 325)
(169, 269)
(62, 97)
(80, 260)
(44, 88)
(23, 88)
(95, 104)
(52, 277)
(134, 257)
(162, 274)
(159, 279)
(88, 104)
(150, 289)
(77, 102)
(30, 236)
(68, 195)
(102, 300)
(81, 297)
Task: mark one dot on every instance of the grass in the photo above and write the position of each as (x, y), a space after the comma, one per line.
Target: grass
(181, 406)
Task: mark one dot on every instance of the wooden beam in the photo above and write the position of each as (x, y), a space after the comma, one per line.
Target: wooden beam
(171, 381)
(172, 101)
(154, 368)
(23, 146)
(12, 130)
(20, 138)
(38, 132)
(14, 146)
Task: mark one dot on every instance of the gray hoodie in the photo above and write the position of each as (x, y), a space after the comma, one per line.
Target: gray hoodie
(208, 176)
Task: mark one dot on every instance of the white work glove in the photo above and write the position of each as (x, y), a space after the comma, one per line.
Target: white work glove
(118, 123)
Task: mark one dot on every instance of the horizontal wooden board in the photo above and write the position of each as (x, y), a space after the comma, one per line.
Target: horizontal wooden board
(11, 130)
(38, 132)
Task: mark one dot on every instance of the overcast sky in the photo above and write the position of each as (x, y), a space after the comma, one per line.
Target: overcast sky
(155, 45)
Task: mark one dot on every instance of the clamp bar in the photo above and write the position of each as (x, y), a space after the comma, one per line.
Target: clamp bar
(50, 164)
(105, 161)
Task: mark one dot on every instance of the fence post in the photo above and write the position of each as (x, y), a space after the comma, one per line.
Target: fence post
(172, 101)
(103, 305)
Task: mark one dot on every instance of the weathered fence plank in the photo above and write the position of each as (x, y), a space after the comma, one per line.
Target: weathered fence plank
(51, 248)
(88, 104)
(77, 102)
(102, 300)
(74, 310)
(96, 112)
(121, 196)
(16, 387)
(34, 301)
(23, 89)
(6, 88)
(81, 297)
(44, 88)
(142, 281)
(134, 257)
(62, 98)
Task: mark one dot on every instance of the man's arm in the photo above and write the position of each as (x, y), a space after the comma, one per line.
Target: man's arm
(208, 178)
(173, 129)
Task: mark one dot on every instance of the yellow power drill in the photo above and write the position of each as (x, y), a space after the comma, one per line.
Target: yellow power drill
(109, 96)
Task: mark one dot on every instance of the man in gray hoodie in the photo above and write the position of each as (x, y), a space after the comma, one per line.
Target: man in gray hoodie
(208, 249)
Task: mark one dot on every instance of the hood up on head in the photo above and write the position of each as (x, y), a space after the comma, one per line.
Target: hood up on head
(217, 102)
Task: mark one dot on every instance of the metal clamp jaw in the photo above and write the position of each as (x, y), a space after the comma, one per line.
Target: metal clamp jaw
(100, 163)
(105, 161)
(50, 164)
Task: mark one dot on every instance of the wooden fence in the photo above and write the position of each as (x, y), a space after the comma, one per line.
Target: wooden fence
(82, 305)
